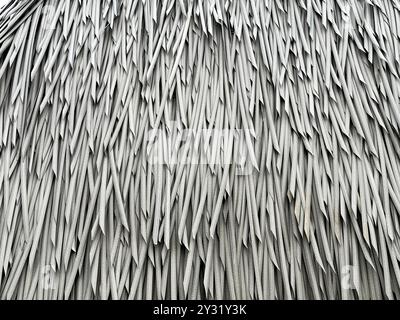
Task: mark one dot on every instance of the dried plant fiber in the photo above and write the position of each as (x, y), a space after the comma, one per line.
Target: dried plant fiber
(284, 118)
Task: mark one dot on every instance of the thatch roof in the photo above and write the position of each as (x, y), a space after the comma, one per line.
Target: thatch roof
(286, 184)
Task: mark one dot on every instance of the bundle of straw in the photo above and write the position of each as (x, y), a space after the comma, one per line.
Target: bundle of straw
(189, 149)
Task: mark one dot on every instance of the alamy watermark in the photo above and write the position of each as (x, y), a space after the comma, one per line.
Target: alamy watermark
(47, 278)
(350, 277)
(212, 147)
(48, 14)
